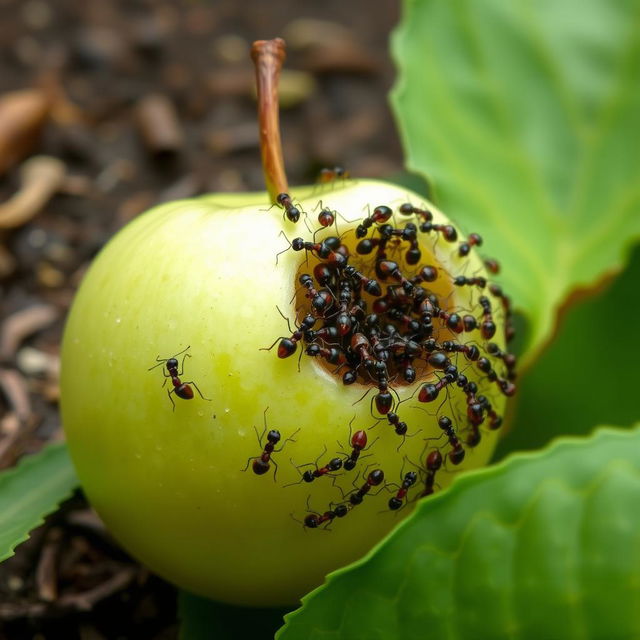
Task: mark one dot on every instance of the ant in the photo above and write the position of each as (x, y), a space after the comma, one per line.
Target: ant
(288, 346)
(314, 520)
(408, 481)
(448, 231)
(493, 266)
(335, 464)
(359, 443)
(374, 479)
(329, 175)
(474, 240)
(262, 463)
(321, 300)
(461, 281)
(509, 359)
(488, 326)
(370, 286)
(429, 391)
(507, 387)
(380, 214)
(181, 389)
(284, 200)
(389, 268)
(408, 209)
(434, 462)
(456, 455)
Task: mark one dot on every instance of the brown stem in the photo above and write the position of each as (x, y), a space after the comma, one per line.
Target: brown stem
(268, 56)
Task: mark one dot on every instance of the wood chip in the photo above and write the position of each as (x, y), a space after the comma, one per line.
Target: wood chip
(22, 324)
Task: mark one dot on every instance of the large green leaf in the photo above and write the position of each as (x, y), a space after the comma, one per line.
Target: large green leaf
(30, 491)
(543, 545)
(525, 116)
(589, 375)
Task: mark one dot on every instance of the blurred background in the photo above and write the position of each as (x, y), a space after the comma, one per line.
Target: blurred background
(139, 103)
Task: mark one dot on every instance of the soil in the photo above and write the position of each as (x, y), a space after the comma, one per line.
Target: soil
(144, 102)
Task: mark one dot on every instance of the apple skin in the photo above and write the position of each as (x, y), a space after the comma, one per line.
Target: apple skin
(170, 484)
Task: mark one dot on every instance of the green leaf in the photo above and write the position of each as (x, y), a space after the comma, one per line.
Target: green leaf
(560, 395)
(32, 490)
(525, 116)
(203, 619)
(543, 545)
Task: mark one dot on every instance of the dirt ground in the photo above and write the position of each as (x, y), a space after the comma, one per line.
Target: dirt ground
(112, 75)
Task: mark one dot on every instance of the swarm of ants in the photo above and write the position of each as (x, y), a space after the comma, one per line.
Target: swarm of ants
(382, 317)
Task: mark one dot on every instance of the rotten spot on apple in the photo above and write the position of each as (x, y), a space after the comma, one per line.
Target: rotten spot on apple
(388, 374)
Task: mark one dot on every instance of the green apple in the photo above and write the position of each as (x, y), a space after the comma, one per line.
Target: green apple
(175, 484)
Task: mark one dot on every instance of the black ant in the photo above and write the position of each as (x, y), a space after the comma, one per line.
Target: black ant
(390, 269)
(429, 391)
(461, 281)
(262, 463)
(314, 520)
(370, 286)
(408, 481)
(456, 455)
(335, 464)
(380, 214)
(488, 326)
(321, 300)
(474, 240)
(284, 200)
(374, 479)
(507, 387)
(408, 209)
(448, 231)
(333, 355)
(181, 389)
(288, 346)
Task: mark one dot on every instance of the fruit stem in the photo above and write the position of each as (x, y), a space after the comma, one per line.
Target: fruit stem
(268, 56)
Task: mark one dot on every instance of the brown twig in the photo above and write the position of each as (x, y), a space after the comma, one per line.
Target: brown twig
(22, 324)
(268, 56)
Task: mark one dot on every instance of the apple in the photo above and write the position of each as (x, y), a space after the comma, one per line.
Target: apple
(172, 477)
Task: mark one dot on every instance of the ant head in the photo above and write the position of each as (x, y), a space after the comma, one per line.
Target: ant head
(273, 436)
(281, 198)
(411, 477)
(308, 476)
(375, 477)
(335, 464)
(444, 422)
(297, 244)
(293, 213)
(172, 363)
(341, 510)
(406, 209)
(311, 521)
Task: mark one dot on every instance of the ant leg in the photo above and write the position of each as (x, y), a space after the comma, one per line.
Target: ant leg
(275, 468)
(273, 345)
(284, 250)
(200, 392)
(169, 392)
(184, 357)
(248, 462)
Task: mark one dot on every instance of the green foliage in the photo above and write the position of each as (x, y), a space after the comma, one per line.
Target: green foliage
(203, 619)
(588, 376)
(525, 117)
(30, 491)
(543, 545)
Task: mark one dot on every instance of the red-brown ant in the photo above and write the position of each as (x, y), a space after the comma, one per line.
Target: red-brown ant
(408, 481)
(408, 209)
(288, 346)
(488, 326)
(327, 175)
(262, 463)
(335, 464)
(461, 281)
(181, 389)
(374, 479)
(429, 391)
(380, 214)
(507, 387)
(314, 520)
(456, 455)
(359, 443)
(434, 462)
(284, 200)
(474, 240)
(448, 231)
(493, 266)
